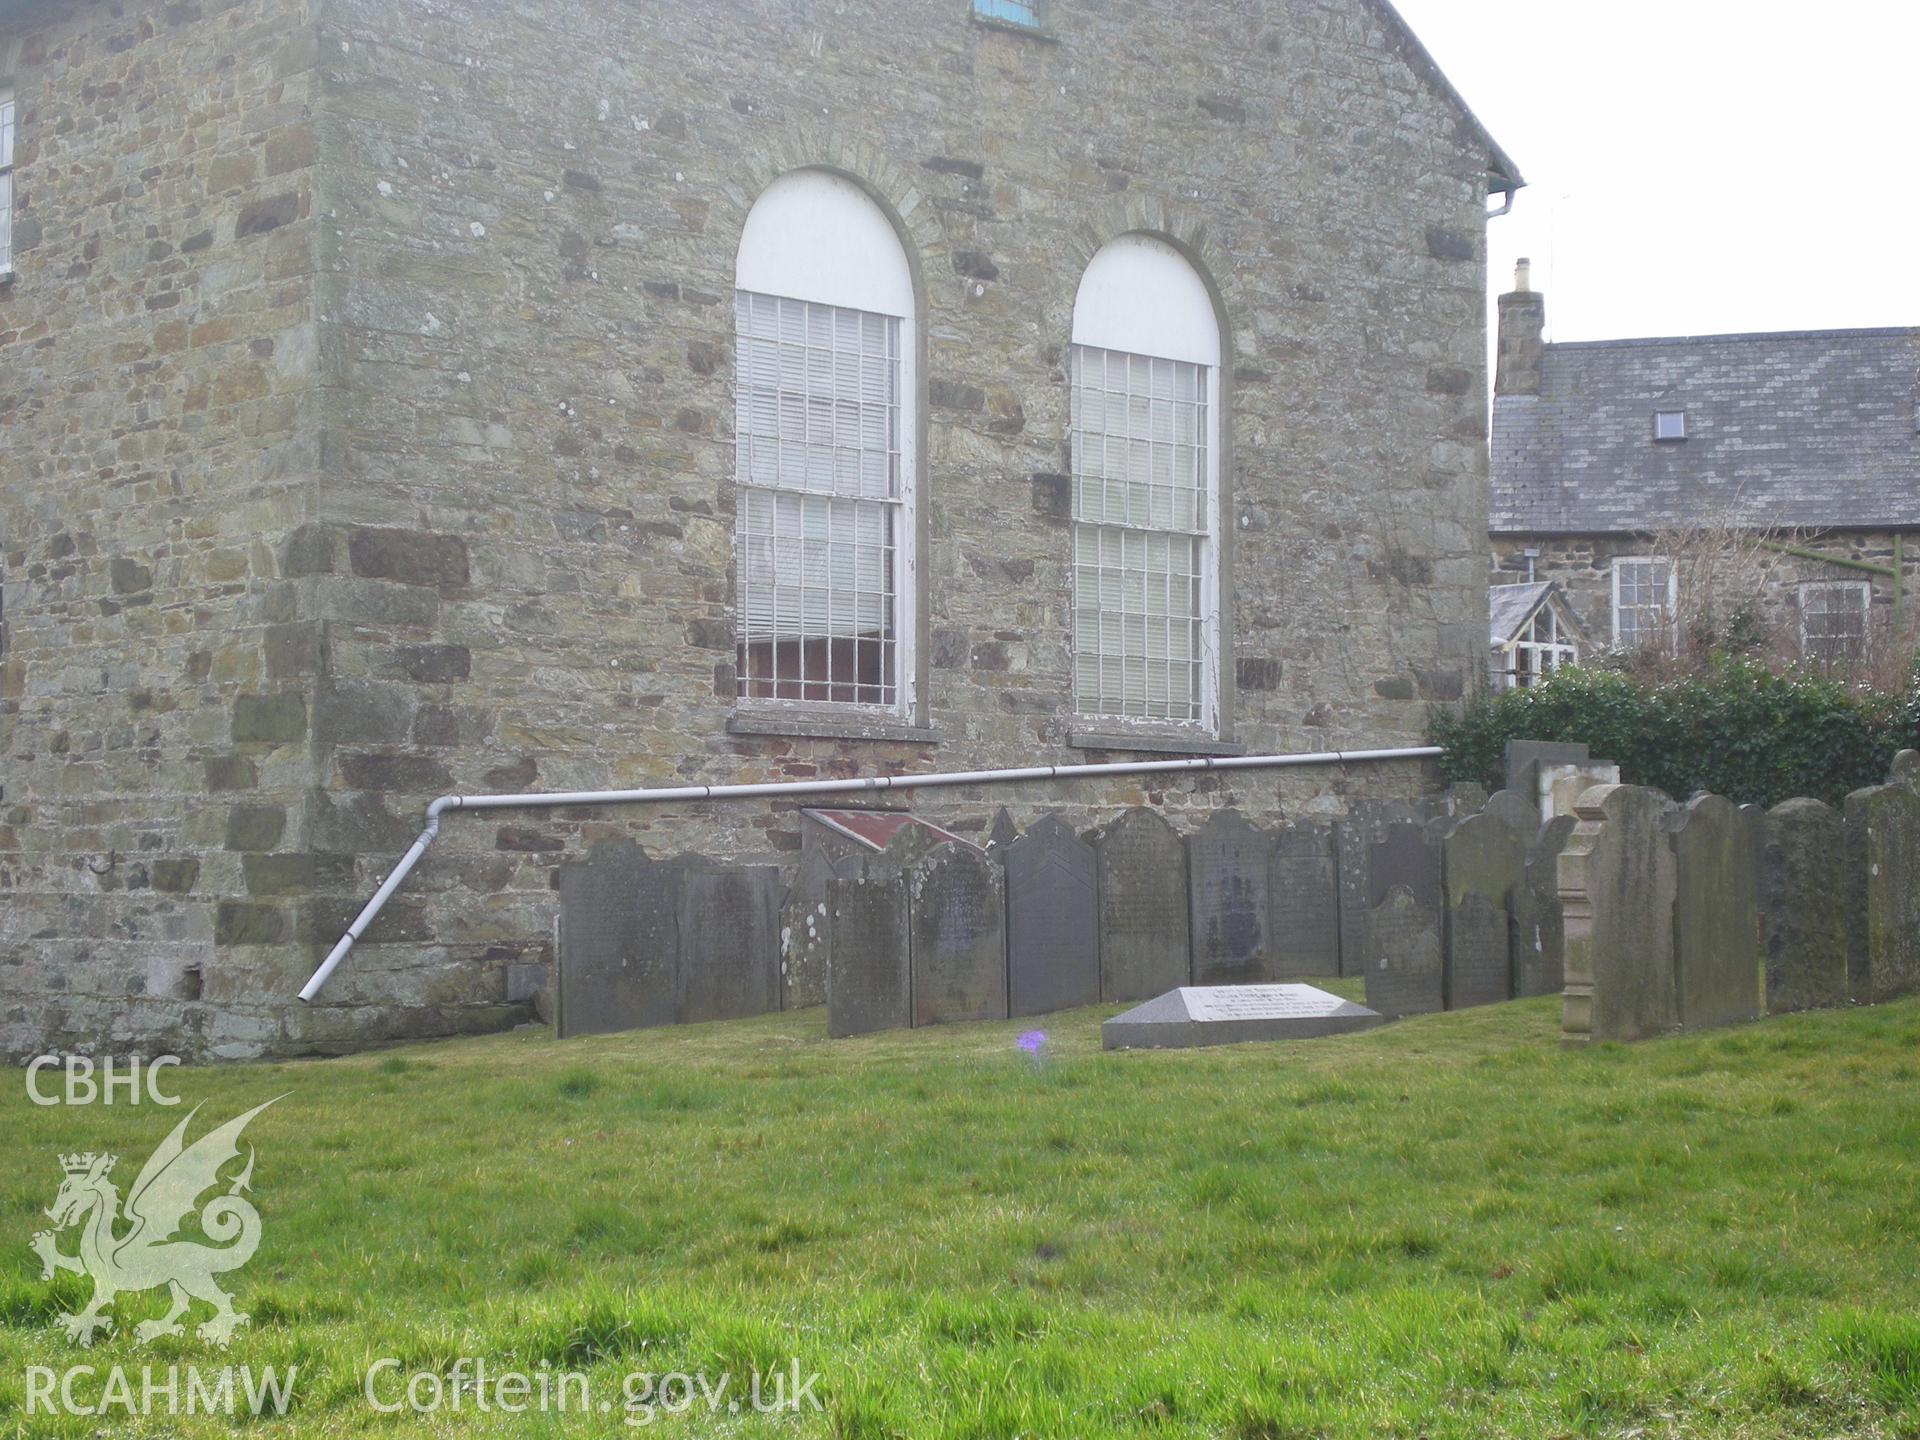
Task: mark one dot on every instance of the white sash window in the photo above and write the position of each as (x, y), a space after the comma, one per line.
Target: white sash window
(1144, 430)
(823, 457)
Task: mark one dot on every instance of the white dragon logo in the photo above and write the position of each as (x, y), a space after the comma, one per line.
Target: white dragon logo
(148, 1256)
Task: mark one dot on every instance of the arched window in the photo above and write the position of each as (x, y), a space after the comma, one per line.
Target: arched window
(1145, 428)
(824, 452)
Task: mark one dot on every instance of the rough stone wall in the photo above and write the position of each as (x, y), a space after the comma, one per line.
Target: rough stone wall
(159, 403)
(1584, 567)
(514, 571)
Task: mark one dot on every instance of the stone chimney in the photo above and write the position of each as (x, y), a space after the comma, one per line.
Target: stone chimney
(1523, 319)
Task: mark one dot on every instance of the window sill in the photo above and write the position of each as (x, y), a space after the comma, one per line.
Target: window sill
(1148, 742)
(820, 725)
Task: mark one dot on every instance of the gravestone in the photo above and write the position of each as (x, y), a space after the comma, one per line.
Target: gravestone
(729, 942)
(1525, 757)
(1407, 855)
(1003, 834)
(1519, 813)
(957, 925)
(805, 934)
(1227, 864)
(1616, 878)
(1883, 846)
(1718, 973)
(1906, 770)
(1142, 864)
(619, 942)
(1354, 835)
(1303, 889)
(1234, 1014)
(1404, 974)
(1539, 932)
(1803, 906)
(869, 977)
(1478, 954)
(1053, 921)
(1483, 864)
(1561, 786)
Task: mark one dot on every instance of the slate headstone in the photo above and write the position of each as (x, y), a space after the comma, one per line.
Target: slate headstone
(1525, 757)
(1803, 906)
(869, 976)
(619, 942)
(805, 934)
(1053, 921)
(1142, 864)
(1404, 971)
(1483, 864)
(958, 928)
(1227, 865)
(1716, 919)
(1883, 846)
(1354, 835)
(729, 942)
(1616, 877)
(1303, 889)
(1539, 933)
(1234, 1014)
(1003, 834)
(1406, 855)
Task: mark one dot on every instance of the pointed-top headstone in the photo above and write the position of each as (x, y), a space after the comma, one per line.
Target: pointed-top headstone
(1053, 921)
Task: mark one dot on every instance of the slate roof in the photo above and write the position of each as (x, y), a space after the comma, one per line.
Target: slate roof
(1510, 607)
(1811, 430)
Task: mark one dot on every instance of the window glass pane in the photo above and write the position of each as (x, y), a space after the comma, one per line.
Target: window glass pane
(1139, 434)
(1643, 603)
(1014, 12)
(818, 512)
(1833, 621)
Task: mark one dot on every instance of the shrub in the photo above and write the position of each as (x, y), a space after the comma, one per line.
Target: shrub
(1737, 729)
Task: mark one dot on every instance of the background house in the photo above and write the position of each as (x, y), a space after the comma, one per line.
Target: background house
(403, 400)
(1765, 488)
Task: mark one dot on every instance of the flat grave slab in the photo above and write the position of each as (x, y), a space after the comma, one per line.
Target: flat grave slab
(1195, 1015)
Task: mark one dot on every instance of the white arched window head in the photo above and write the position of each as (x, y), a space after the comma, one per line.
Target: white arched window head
(1146, 499)
(825, 429)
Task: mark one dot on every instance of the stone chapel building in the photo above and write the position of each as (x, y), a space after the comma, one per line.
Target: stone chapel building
(422, 396)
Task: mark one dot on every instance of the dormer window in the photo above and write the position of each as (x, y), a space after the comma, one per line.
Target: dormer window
(1669, 425)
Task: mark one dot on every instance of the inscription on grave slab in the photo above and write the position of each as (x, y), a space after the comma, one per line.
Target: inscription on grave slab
(1194, 1015)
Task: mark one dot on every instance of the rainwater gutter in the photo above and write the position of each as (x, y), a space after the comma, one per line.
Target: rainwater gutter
(789, 789)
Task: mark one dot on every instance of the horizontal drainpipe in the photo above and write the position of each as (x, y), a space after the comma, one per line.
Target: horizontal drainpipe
(817, 787)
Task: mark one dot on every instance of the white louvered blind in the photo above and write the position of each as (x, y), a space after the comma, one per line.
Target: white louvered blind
(818, 460)
(1142, 525)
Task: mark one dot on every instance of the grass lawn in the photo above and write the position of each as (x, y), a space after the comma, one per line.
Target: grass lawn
(1442, 1228)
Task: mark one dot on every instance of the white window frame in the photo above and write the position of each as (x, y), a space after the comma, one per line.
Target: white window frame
(9, 110)
(1532, 658)
(1862, 588)
(1660, 435)
(816, 237)
(1620, 563)
(993, 12)
(1141, 297)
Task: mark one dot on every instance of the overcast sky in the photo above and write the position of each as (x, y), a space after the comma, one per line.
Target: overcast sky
(1699, 166)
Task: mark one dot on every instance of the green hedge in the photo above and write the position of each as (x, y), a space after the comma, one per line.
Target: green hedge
(1739, 731)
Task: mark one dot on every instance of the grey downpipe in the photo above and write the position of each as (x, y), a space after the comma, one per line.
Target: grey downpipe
(783, 789)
